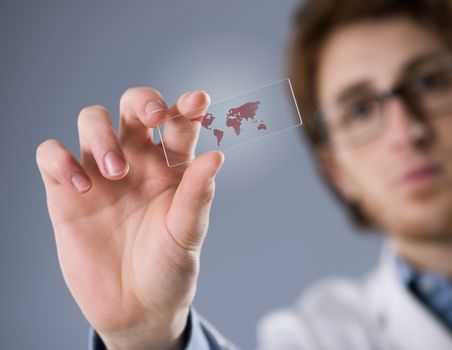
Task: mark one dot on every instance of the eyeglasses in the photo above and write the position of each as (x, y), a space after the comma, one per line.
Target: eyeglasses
(426, 92)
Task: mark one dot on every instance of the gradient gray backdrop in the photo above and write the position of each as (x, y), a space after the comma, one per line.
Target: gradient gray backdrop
(274, 228)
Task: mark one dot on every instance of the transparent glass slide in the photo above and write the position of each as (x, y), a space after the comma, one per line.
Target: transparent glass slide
(253, 114)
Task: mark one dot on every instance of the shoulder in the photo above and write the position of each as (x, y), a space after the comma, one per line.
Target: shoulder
(330, 312)
(336, 298)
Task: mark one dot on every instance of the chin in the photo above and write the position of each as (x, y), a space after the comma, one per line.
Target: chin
(424, 218)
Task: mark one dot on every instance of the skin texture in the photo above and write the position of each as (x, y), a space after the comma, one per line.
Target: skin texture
(417, 216)
(129, 243)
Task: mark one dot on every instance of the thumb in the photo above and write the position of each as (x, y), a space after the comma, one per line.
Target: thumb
(188, 216)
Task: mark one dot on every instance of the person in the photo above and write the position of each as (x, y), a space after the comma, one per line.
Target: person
(375, 82)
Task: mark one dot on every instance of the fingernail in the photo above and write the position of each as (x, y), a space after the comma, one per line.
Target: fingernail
(80, 182)
(114, 163)
(154, 107)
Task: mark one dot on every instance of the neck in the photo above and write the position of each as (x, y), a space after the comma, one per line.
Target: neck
(426, 254)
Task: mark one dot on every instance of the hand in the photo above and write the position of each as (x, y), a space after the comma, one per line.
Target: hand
(128, 228)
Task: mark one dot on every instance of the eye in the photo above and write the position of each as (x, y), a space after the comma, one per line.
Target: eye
(360, 109)
(438, 81)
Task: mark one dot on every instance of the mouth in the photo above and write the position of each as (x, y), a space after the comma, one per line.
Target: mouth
(419, 177)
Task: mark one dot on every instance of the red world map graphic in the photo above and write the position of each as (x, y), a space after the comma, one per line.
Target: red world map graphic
(233, 119)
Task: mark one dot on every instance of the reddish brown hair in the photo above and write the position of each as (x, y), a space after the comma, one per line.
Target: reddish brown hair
(314, 21)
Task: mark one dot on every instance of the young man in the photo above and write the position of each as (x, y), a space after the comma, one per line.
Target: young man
(375, 81)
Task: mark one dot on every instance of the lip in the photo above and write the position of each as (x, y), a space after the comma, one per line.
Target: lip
(422, 175)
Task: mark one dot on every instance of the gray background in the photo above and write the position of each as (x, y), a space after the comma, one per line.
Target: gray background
(274, 228)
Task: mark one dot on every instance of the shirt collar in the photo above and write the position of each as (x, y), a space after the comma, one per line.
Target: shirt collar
(433, 289)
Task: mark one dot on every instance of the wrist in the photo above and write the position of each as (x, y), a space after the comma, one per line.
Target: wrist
(173, 336)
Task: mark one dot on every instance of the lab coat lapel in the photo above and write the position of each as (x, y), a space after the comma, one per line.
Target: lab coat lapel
(403, 320)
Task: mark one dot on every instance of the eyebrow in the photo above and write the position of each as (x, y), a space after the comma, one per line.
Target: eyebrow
(364, 86)
(421, 60)
(353, 90)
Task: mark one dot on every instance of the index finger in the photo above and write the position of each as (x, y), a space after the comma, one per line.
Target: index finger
(181, 129)
(140, 108)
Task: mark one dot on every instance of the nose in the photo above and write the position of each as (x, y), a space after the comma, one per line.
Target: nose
(408, 128)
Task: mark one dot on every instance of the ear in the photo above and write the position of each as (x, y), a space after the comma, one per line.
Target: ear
(337, 173)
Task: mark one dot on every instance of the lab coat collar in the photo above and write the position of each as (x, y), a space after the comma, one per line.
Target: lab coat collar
(403, 320)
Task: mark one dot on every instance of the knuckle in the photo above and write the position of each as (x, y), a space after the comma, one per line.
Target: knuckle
(63, 162)
(128, 92)
(44, 148)
(205, 199)
(187, 263)
(93, 109)
(127, 95)
(132, 92)
(107, 137)
(88, 112)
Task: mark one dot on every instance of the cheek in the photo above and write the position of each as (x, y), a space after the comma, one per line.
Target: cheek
(365, 171)
(443, 135)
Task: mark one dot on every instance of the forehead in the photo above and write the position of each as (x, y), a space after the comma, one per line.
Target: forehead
(372, 51)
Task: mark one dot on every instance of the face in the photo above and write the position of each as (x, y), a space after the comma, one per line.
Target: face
(402, 179)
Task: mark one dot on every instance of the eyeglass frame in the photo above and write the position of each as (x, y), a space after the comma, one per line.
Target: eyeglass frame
(403, 89)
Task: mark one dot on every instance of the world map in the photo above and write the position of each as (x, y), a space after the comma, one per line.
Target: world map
(233, 119)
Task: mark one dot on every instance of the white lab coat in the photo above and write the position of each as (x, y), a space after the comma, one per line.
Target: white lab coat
(376, 312)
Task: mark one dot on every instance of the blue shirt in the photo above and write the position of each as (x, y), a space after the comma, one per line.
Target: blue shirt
(199, 338)
(433, 290)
